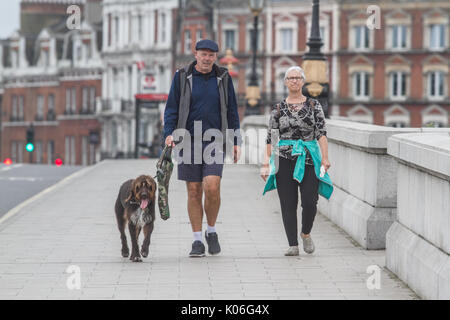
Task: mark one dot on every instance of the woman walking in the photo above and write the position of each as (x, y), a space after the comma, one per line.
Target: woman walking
(300, 122)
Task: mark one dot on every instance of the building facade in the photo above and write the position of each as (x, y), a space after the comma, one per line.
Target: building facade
(396, 74)
(138, 59)
(51, 79)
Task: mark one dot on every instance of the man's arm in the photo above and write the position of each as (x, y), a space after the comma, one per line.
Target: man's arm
(172, 106)
(232, 112)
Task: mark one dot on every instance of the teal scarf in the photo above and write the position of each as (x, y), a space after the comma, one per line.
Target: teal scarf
(325, 183)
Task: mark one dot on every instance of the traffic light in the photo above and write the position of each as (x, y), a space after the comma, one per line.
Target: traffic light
(30, 140)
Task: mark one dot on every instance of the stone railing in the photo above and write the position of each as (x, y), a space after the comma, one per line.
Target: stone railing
(364, 201)
(418, 242)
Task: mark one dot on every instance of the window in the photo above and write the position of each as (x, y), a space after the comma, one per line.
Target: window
(50, 151)
(51, 103)
(396, 124)
(399, 37)
(362, 39)
(68, 101)
(46, 59)
(398, 85)
(163, 27)
(74, 100)
(84, 150)
(21, 114)
(361, 85)
(230, 40)
(187, 41)
(40, 107)
(286, 39)
(39, 152)
(437, 36)
(85, 98)
(116, 30)
(92, 100)
(436, 84)
(199, 35)
(14, 109)
(14, 151)
(139, 27)
(70, 150)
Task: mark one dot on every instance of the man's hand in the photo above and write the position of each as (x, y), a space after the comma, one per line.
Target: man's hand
(237, 153)
(169, 141)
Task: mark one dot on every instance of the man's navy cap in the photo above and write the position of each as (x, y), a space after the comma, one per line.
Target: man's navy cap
(207, 44)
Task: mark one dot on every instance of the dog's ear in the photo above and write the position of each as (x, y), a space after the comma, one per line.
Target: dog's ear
(151, 183)
(132, 192)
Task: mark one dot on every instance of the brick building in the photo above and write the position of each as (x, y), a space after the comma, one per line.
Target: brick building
(51, 78)
(397, 74)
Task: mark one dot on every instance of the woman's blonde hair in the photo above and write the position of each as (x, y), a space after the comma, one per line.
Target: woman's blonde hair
(297, 68)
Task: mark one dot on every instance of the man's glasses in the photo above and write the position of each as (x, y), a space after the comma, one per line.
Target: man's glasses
(294, 78)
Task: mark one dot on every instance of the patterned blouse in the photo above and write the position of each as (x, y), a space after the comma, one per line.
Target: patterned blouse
(305, 121)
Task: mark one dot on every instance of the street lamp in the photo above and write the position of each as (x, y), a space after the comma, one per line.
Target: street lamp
(315, 64)
(253, 95)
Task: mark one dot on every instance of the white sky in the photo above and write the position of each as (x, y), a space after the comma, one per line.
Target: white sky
(9, 17)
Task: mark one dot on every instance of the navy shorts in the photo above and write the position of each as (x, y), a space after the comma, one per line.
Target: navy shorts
(196, 172)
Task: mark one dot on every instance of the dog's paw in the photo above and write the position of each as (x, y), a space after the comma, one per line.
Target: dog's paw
(125, 252)
(144, 252)
(136, 259)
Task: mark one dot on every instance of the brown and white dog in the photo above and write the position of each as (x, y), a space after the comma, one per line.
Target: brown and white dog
(135, 205)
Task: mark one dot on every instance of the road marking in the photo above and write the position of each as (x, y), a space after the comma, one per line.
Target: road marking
(14, 166)
(58, 185)
(30, 179)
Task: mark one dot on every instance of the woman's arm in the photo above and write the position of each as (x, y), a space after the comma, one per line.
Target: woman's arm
(323, 142)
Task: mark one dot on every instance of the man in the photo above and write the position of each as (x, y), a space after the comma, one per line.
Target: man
(201, 93)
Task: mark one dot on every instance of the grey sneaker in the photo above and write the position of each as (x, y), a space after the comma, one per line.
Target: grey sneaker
(213, 242)
(292, 251)
(308, 244)
(198, 249)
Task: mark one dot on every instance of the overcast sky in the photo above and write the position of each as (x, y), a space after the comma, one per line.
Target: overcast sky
(9, 17)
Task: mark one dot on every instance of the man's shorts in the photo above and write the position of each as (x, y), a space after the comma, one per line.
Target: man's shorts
(193, 172)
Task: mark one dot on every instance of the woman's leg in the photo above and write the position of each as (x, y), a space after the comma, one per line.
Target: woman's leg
(309, 190)
(287, 189)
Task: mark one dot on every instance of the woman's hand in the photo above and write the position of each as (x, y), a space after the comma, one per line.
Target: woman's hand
(326, 163)
(264, 171)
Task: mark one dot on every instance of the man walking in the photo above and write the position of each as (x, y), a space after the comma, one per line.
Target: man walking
(202, 93)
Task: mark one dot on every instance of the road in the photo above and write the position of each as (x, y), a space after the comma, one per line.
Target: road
(18, 182)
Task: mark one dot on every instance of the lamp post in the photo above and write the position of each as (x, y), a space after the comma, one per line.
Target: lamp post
(253, 95)
(315, 64)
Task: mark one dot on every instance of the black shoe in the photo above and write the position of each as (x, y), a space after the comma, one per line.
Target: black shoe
(213, 242)
(198, 249)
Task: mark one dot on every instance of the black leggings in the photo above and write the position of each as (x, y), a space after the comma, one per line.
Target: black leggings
(287, 189)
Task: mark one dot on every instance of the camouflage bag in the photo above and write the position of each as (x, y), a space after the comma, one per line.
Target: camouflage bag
(164, 169)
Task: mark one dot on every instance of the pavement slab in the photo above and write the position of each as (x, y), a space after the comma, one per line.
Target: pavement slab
(73, 227)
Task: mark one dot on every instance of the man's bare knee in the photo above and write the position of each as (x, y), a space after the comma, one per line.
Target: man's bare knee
(194, 190)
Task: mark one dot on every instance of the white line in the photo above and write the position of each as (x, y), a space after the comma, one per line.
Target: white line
(14, 166)
(58, 185)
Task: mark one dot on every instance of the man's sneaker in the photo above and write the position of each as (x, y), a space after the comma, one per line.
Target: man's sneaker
(292, 251)
(308, 244)
(213, 242)
(198, 249)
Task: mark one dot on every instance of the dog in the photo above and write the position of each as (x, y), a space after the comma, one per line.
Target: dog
(135, 205)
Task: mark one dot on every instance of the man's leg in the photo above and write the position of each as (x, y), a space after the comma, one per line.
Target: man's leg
(211, 185)
(195, 208)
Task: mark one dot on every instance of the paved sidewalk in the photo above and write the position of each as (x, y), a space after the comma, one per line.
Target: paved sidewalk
(74, 224)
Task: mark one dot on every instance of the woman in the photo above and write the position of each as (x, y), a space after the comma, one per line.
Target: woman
(301, 124)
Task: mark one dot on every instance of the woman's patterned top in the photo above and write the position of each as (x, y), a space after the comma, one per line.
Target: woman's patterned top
(305, 121)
